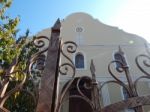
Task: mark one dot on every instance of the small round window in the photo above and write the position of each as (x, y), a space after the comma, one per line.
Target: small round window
(79, 29)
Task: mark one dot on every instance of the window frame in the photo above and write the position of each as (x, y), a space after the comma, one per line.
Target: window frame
(125, 58)
(74, 56)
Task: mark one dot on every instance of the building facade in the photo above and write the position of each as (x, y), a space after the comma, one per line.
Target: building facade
(101, 43)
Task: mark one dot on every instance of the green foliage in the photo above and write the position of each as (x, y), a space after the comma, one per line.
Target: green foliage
(22, 101)
(22, 49)
(8, 29)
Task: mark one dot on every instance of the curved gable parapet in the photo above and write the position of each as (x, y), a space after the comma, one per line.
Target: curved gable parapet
(77, 15)
(95, 32)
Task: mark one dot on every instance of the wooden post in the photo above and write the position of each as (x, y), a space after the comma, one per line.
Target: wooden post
(46, 101)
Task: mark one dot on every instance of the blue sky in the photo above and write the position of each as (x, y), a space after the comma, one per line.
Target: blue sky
(40, 14)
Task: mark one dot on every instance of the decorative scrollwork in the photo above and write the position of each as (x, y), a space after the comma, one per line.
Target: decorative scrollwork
(38, 59)
(87, 84)
(18, 86)
(110, 70)
(68, 47)
(79, 84)
(138, 79)
(20, 76)
(39, 42)
(143, 61)
(65, 67)
(123, 85)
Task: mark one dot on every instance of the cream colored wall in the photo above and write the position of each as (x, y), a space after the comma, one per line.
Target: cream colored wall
(94, 31)
(143, 90)
(45, 32)
(99, 42)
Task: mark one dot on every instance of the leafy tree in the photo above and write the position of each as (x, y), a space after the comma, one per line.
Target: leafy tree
(8, 30)
(10, 49)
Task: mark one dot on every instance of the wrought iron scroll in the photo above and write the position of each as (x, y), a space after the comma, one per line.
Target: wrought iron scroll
(68, 47)
(68, 68)
(40, 43)
(4, 95)
(142, 62)
(134, 101)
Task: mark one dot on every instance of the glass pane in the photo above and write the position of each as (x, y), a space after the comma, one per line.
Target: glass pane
(79, 61)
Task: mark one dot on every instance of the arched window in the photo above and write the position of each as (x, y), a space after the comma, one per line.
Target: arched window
(79, 61)
(119, 56)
